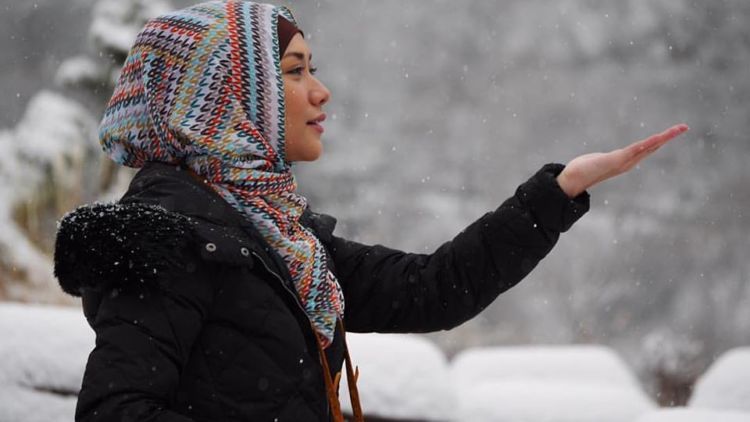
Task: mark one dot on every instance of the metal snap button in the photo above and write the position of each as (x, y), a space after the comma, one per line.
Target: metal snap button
(210, 247)
(244, 251)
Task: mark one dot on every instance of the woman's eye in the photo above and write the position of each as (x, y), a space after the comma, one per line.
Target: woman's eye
(299, 70)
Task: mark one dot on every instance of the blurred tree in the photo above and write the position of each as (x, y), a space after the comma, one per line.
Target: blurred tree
(51, 161)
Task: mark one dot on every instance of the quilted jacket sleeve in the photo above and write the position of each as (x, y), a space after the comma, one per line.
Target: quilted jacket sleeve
(387, 290)
(143, 339)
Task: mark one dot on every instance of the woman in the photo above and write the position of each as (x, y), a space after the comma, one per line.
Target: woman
(215, 293)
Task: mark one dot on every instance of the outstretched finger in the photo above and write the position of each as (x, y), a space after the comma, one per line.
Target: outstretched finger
(637, 151)
(653, 142)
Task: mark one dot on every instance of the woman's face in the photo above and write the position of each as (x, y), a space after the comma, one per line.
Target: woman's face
(304, 95)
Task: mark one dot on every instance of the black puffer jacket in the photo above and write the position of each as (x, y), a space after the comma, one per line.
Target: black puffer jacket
(196, 319)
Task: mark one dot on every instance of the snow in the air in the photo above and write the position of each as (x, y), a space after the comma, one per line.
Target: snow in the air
(451, 106)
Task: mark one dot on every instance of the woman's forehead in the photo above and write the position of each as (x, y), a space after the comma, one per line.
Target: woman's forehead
(298, 48)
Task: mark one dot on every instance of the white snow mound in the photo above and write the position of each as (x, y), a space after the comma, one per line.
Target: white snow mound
(546, 384)
(22, 404)
(590, 364)
(43, 355)
(401, 376)
(550, 401)
(726, 384)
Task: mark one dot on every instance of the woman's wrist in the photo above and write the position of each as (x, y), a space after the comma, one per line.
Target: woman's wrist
(567, 186)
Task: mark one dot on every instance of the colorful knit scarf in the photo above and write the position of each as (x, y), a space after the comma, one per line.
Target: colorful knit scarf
(203, 87)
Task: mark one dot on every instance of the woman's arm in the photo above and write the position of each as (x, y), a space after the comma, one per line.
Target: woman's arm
(391, 291)
(387, 290)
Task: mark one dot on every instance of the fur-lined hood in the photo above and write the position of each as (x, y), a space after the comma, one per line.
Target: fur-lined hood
(130, 243)
(165, 220)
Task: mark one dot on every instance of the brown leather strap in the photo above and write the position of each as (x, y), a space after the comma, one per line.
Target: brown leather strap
(332, 386)
(333, 400)
(352, 376)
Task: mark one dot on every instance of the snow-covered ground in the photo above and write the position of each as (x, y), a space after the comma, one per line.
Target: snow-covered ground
(43, 352)
(695, 415)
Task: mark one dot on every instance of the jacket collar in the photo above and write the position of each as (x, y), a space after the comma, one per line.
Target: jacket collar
(175, 189)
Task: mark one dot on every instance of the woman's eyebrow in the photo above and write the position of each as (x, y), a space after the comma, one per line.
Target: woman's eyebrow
(298, 55)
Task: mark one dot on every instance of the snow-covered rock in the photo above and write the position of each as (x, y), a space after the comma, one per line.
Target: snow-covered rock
(726, 384)
(401, 376)
(535, 400)
(694, 415)
(590, 364)
(546, 384)
(43, 355)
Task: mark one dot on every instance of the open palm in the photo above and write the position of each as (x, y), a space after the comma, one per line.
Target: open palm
(587, 170)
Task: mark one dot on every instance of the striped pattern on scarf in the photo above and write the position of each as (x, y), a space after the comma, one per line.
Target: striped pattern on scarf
(202, 86)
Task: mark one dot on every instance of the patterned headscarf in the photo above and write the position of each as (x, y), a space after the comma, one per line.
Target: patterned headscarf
(202, 86)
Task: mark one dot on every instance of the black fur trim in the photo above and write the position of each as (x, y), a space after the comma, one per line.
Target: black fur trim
(121, 243)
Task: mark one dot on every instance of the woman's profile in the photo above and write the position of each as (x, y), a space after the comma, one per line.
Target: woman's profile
(215, 291)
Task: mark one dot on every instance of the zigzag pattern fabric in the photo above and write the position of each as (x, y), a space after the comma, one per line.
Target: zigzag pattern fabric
(202, 86)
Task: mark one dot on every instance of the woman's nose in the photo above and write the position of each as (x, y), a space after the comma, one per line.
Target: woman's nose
(319, 95)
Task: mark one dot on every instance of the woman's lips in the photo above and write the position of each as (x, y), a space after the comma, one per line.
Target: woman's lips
(316, 123)
(316, 126)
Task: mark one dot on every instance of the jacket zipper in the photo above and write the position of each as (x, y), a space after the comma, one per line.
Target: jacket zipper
(281, 280)
(296, 300)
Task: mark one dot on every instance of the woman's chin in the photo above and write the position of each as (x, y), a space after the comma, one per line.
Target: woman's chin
(315, 150)
(313, 156)
(309, 154)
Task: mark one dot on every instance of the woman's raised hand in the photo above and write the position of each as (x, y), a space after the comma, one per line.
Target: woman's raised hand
(587, 170)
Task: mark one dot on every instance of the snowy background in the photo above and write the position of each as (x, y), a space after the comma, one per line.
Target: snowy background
(439, 110)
